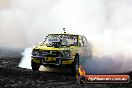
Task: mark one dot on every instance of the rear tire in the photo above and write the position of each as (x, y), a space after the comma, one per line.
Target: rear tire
(82, 80)
(75, 66)
(35, 66)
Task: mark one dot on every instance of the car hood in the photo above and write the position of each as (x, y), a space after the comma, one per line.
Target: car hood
(44, 47)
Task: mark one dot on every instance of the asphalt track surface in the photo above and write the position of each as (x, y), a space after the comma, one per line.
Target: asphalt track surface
(12, 76)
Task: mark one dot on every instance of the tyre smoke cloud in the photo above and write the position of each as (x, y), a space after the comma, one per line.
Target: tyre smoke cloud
(26, 59)
(105, 23)
(24, 23)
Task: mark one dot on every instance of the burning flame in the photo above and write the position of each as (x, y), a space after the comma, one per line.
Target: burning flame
(81, 71)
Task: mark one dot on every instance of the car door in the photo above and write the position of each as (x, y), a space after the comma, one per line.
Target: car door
(88, 48)
(82, 50)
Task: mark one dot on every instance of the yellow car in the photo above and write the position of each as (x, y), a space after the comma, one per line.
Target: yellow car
(61, 51)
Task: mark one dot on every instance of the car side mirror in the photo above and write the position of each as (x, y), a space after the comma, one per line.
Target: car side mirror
(79, 44)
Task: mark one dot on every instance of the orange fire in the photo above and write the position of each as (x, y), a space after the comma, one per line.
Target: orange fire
(81, 71)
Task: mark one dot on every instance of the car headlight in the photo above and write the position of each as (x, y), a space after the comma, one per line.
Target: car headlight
(66, 54)
(35, 53)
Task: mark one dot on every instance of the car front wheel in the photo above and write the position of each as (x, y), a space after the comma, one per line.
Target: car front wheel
(35, 66)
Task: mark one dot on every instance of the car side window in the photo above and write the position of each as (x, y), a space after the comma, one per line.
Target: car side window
(85, 41)
(81, 43)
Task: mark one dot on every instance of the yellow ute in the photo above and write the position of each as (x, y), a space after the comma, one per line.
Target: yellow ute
(61, 51)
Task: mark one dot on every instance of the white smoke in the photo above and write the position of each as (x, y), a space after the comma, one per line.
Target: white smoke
(26, 59)
(24, 23)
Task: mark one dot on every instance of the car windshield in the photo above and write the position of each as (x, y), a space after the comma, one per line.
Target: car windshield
(63, 39)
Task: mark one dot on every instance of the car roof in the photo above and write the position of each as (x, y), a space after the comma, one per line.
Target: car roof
(66, 34)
